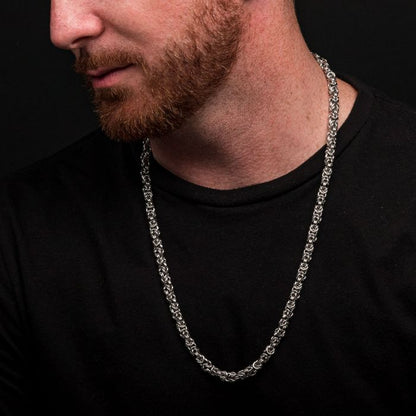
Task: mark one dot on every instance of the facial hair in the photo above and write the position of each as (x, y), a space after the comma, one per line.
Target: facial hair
(175, 87)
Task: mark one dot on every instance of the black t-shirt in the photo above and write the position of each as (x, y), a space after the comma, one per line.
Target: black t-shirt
(85, 328)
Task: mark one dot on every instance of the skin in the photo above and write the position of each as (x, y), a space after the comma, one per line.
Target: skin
(265, 119)
(141, 98)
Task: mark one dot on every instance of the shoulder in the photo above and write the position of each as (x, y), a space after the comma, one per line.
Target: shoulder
(68, 157)
(388, 115)
(81, 182)
(394, 116)
(87, 164)
(384, 131)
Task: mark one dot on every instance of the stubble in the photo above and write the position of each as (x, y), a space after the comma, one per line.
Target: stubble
(175, 87)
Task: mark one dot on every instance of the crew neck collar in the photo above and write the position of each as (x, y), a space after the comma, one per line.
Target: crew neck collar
(166, 181)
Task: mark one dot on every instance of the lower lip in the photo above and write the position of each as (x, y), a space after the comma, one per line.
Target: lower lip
(110, 79)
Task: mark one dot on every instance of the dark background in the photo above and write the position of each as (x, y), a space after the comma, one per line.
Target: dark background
(45, 107)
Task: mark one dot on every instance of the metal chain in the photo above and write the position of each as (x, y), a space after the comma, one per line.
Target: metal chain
(279, 332)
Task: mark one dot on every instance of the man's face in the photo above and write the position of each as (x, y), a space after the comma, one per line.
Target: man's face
(149, 64)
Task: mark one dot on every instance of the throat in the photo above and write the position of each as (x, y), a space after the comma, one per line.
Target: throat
(239, 144)
(243, 156)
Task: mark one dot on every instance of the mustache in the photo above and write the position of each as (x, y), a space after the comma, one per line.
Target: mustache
(108, 59)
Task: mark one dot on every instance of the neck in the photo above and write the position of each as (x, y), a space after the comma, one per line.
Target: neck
(268, 118)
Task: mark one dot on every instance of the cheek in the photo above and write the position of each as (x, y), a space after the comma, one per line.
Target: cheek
(151, 24)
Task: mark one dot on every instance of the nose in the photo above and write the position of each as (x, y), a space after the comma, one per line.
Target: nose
(73, 23)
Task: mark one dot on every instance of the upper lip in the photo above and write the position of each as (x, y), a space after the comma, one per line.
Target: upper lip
(104, 70)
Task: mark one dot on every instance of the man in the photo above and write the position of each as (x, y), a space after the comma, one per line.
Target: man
(154, 267)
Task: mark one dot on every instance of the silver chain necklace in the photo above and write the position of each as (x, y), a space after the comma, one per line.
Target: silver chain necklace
(288, 310)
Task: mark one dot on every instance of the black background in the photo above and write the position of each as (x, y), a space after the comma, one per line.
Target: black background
(46, 108)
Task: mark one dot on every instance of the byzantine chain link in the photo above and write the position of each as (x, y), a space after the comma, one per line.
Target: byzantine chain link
(288, 311)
